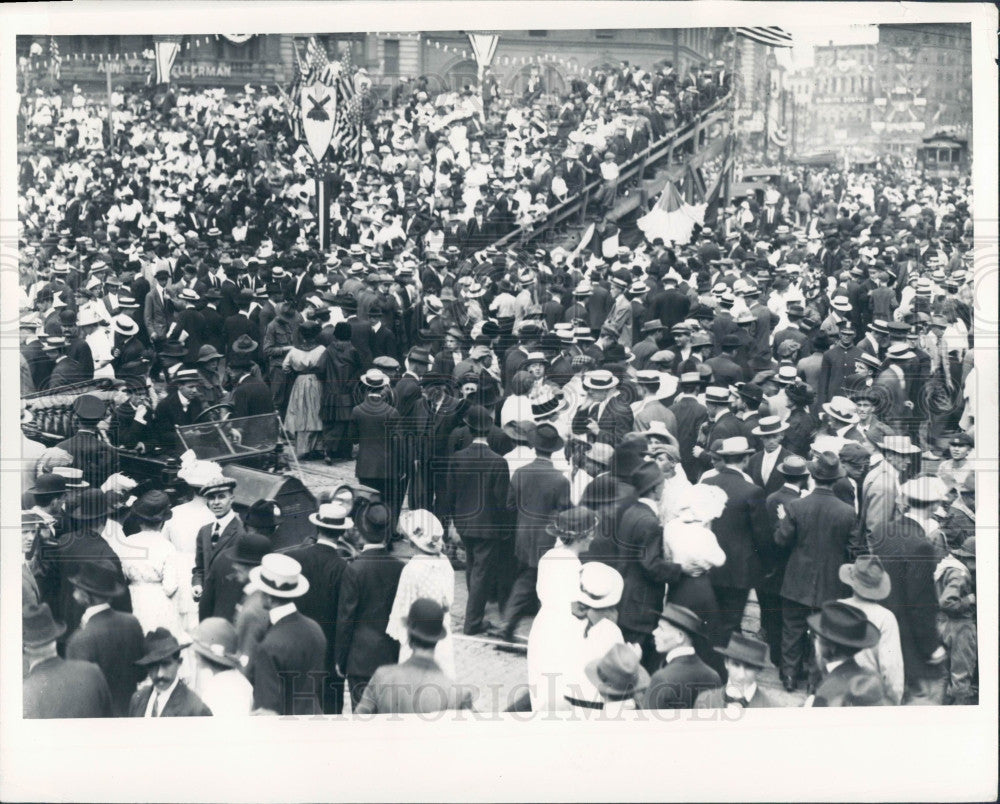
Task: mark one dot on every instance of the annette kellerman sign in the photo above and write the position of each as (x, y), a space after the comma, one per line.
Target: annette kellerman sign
(189, 69)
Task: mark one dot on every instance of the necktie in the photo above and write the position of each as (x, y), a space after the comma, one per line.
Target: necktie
(156, 705)
(732, 699)
(216, 533)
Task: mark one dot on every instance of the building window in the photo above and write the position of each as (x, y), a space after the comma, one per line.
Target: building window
(538, 33)
(604, 33)
(391, 56)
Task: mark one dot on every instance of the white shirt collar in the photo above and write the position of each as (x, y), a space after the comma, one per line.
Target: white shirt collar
(680, 650)
(831, 666)
(653, 505)
(225, 520)
(162, 697)
(279, 613)
(185, 402)
(90, 612)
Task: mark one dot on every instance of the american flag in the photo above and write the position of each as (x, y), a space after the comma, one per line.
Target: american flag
(56, 58)
(767, 35)
(349, 124)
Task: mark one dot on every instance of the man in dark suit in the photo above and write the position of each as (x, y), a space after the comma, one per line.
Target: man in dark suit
(372, 426)
(250, 396)
(94, 456)
(604, 412)
(763, 466)
(683, 675)
(216, 537)
(690, 415)
(910, 559)
(837, 365)
(741, 531)
(240, 323)
(476, 501)
(451, 354)
(63, 558)
(816, 528)
(181, 406)
(110, 639)
(367, 590)
(599, 305)
(418, 684)
(744, 658)
(639, 557)
(167, 695)
(55, 687)
(774, 557)
(288, 670)
(721, 424)
(156, 307)
(537, 492)
(840, 631)
(725, 370)
(670, 306)
(324, 568)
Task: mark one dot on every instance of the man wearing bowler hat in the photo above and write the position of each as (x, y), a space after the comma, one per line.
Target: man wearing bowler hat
(744, 658)
(867, 577)
(167, 695)
(816, 528)
(55, 687)
(417, 685)
(683, 675)
(90, 452)
(840, 631)
(110, 639)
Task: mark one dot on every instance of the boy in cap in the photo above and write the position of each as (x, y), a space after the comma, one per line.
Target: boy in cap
(955, 582)
(870, 584)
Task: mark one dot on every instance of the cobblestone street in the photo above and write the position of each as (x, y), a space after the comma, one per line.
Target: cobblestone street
(499, 676)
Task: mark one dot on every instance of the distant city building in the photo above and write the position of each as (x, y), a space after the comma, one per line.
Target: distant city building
(923, 84)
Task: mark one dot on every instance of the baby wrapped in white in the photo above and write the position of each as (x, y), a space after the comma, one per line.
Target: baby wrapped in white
(688, 538)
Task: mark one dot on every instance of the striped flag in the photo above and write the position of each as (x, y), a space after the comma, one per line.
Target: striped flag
(767, 35)
(348, 127)
(56, 58)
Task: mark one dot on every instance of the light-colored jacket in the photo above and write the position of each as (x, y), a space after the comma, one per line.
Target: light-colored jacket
(886, 658)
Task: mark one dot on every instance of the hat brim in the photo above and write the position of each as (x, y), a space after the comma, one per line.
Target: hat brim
(840, 418)
(739, 657)
(319, 523)
(436, 637)
(871, 638)
(880, 592)
(761, 433)
(157, 656)
(225, 660)
(58, 630)
(300, 588)
(641, 683)
(228, 484)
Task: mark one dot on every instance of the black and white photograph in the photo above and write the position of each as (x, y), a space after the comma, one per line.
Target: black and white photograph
(470, 373)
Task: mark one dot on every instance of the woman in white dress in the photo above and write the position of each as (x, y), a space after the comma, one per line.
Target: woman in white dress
(428, 574)
(150, 566)
(555, 632)
(182, 531)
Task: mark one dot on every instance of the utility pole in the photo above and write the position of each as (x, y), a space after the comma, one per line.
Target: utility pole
(111, 107)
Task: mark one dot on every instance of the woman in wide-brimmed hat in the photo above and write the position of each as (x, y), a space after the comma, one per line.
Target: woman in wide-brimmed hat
(149, 562)
(428, 574)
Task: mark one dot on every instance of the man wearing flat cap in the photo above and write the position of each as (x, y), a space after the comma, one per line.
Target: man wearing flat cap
(90, 452)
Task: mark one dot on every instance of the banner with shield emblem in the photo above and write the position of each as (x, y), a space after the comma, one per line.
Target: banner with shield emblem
(319, 114)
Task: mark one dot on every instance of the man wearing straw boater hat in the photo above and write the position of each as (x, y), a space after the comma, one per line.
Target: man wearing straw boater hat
(167, 695)
(288, 665)
(324, 568)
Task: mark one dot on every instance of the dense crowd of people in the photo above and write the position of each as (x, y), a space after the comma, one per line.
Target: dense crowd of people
(626, 444)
